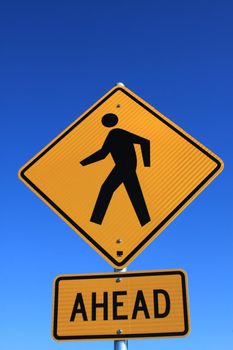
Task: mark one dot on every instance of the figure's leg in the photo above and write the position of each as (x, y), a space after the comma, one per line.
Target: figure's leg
(107, 189)
(134, 191)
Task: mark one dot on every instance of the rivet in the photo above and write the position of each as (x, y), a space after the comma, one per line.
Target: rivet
(118, 105)
(118, 279)
(119, 331)
(119, 240)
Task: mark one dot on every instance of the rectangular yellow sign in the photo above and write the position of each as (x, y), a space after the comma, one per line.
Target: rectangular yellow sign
(122, 305)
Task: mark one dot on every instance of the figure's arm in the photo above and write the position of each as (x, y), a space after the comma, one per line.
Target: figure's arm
(145, 148)
(95, 157)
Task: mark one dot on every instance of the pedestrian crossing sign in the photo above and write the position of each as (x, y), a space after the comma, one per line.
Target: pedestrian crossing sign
(120, 173)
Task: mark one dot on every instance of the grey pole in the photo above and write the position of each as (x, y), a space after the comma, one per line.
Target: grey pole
(120, 84)
(121, 344)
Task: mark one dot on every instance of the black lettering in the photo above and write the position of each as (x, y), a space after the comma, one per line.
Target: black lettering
(116, 304)
(103, 305)
(79, 308)
(158, 314)
(137, 307)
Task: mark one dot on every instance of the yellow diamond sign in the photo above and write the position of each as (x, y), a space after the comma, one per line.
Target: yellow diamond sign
(120, 174)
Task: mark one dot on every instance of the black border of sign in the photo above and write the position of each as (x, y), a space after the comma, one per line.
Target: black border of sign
(122, 336)
(156, 229)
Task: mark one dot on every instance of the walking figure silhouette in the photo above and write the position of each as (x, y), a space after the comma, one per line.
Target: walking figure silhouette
(120, 144)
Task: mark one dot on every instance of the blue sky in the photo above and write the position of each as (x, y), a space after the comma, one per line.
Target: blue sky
(57, 59)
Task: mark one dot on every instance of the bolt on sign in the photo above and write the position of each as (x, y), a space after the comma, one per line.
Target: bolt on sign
(120, 305)
(120, 174)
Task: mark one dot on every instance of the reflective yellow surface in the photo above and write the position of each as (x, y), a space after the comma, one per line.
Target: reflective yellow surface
(179, 164)
(140, 304)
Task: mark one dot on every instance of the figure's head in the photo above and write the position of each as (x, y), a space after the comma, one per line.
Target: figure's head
(109, 120)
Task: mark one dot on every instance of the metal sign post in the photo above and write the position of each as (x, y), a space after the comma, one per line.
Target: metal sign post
(121, 344)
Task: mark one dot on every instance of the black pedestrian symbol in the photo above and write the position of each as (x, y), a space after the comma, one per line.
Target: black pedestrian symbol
(120, 144)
